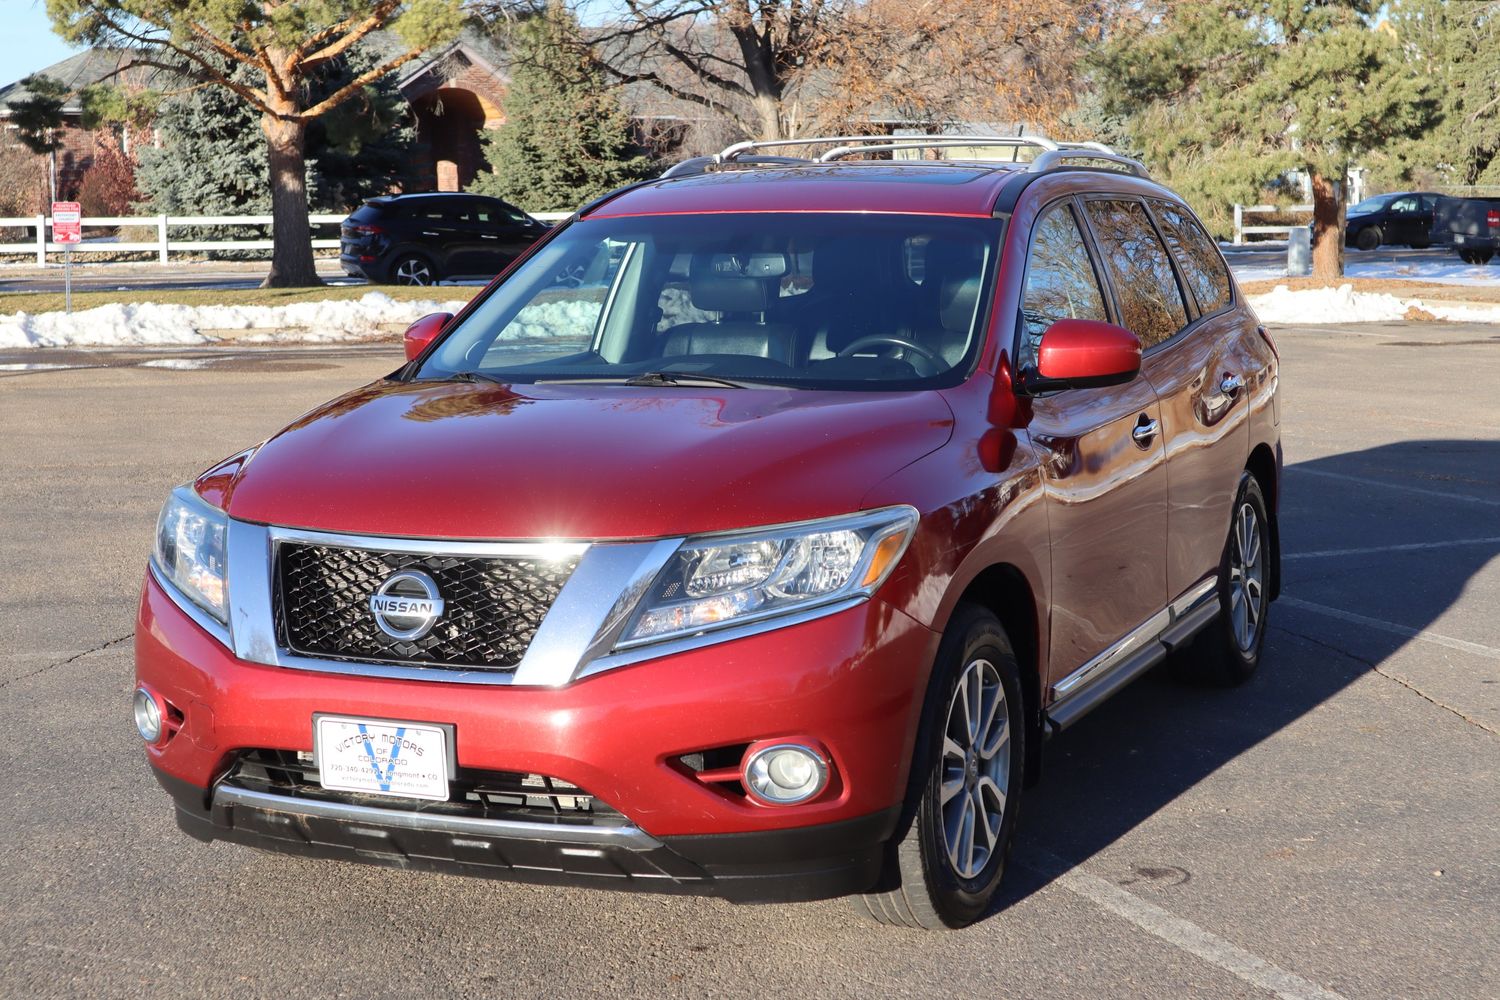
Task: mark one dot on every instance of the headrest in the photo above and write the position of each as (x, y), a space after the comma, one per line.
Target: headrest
(728, 295)
(958, 268)
(728, 283)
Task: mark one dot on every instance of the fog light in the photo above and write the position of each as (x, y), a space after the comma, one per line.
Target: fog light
(785, 773)
(147, 716)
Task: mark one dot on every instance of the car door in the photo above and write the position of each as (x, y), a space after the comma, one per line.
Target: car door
(1404, 220)
(1200, 368)
(1102, 463)
(437, 228)
(511, 231)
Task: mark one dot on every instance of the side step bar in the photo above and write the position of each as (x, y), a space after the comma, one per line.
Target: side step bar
(1091, 685)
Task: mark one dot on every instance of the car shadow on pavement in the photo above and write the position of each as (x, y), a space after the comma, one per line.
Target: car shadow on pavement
(1159, 738)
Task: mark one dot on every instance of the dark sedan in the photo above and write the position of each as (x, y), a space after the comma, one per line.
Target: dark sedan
(419, 239)
(1401, 218)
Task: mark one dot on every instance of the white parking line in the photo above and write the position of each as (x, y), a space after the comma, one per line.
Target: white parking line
(1406, 547)
(1393, 486)
(1462, 645)
(1188, 936)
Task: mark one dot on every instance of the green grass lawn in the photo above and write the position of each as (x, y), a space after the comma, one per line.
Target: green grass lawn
(38, 302)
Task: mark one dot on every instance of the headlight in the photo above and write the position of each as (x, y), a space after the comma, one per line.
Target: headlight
(722, 580)
(190, 540)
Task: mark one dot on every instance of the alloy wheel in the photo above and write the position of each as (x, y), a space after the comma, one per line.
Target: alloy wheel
(413, 271)
(975, 769)
(1247, 592)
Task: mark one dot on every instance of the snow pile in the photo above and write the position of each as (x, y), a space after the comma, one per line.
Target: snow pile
(137, 324)
(1251, 266)
(1344, 305)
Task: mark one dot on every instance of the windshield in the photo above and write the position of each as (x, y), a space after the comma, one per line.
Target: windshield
(1370, 205)
(816, 301)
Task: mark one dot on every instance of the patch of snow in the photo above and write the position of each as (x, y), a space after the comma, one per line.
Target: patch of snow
(1344, 305)
(1445, 271)
(177, 364)
(39, 367)
(146, 323)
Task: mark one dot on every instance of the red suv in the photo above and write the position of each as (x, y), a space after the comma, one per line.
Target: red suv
(747, 537)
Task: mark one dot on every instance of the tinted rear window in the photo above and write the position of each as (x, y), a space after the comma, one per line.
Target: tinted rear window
(1197, 257)
(1151, 305)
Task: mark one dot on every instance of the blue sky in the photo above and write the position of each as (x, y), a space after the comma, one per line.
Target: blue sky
(27, 43)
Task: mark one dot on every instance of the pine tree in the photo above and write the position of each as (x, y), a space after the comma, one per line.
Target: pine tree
(566, 139)
(1460, 44)
(212, 158)
(1223, 97)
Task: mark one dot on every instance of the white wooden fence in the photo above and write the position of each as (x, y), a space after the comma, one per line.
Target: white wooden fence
(39, 227)
(1240, 211)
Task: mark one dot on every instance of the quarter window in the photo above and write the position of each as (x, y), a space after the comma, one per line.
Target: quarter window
(1202, 267)
(1060, 281)
(1150, 302)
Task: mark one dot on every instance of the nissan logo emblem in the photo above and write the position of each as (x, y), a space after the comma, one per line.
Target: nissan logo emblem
(407, 605)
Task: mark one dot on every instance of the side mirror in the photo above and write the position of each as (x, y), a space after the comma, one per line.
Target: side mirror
(1084, 354)
(423, 332)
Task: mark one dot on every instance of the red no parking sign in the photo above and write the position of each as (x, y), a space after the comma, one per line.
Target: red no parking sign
(67, 223)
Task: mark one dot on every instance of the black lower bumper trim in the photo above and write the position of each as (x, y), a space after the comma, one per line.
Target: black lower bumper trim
(774, 866)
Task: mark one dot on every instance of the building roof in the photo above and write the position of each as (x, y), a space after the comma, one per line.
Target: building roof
(81, 70)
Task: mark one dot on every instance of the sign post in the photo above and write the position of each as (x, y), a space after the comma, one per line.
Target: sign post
(67, 229)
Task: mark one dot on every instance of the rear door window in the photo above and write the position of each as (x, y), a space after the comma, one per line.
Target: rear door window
(1151, 304)
(1197, 258)
(1060, 281)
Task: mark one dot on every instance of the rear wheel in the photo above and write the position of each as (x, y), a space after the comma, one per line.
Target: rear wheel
(413, 270)
(1228, 650)
(946, 867)
(1369, 238)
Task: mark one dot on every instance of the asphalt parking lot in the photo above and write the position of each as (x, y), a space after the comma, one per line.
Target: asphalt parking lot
(1330, 829)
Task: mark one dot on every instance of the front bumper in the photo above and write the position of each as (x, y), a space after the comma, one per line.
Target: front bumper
(853, 681)
(802, 863)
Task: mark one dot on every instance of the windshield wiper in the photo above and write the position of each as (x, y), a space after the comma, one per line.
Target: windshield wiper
(682, 378)
(476, 377)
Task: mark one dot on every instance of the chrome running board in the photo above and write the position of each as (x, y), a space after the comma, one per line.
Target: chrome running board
(1142, 648)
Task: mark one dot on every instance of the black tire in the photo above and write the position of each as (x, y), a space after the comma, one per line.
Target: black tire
(1468, 256)
(1420, 246)
(1227, 652)
(1369, 238)
(413, 269)
(922, 885)
(1483, 256)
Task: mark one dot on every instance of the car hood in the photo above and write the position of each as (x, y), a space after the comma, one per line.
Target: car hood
(474, 460)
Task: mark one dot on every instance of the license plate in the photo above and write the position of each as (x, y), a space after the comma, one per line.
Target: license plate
(1457, 238)
(382, 757)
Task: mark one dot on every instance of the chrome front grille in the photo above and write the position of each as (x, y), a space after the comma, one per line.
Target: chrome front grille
(493, 605)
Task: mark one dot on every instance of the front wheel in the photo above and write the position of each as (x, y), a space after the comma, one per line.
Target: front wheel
(1227, 652)
(945, 869)
(1368, 238)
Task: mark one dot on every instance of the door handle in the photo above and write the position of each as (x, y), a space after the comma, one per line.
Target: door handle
(429, 232)
(488, 236)
(1145, 430)
(1230, 385)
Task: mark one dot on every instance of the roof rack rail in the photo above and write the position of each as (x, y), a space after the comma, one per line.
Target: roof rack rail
(1054, 155)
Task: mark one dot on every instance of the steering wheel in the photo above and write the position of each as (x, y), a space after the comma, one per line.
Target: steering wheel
(932, 360)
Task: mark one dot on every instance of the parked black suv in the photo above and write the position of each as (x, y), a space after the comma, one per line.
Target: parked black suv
(418, 239)
(1405, 217)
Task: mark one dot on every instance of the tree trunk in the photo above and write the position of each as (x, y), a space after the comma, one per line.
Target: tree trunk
(291, 255)
(1328, 228)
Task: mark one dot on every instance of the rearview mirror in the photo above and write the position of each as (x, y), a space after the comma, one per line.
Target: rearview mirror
(1084, 354)
(423, 332)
